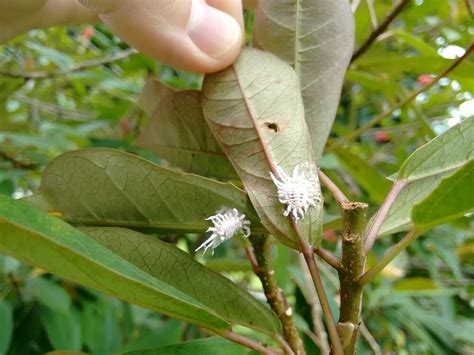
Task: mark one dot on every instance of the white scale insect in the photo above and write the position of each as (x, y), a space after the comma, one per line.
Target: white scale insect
(299, 191)
(227, 223)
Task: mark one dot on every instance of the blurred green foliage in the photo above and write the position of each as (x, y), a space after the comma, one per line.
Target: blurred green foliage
(61, 89)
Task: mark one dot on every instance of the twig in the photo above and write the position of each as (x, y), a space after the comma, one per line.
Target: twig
(261, 261)
(374, 227)
(332, 187)
(469, 7)
(370, 339)
(380, 29)
(320, 336)
(328, 257)
(18, 163)
(408, 99)
(249, 343)
(80, 66)
(372, 14)
(388, 257)
(354, 217)
(307, 251)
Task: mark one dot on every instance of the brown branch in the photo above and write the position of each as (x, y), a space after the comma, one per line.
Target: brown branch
(249, 343)
(320, 335)
(407, 100)
(374, 227)
(80, 66)
(307, 251)
(399, 6)
(328, 257)
(332, 187)
(388, 257)
(354, 216)
(18, 163)
(261, 261)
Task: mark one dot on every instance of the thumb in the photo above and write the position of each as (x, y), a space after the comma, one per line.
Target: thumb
(189, 34)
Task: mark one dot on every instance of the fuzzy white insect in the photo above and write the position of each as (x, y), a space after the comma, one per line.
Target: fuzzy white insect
(227, 223)
(299, 191)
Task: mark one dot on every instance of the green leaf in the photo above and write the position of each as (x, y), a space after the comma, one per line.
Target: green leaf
(113, 188)
(178, 269)
(416, 284)
(365, 175)
(100, 326)
(178, 133)
(63, 329)
(6, 329)
(424, 170)
(206, 346)
(316, 37)
(47, 242)
(446, 152)
(49, 294)
(451, 199)
(257, 117)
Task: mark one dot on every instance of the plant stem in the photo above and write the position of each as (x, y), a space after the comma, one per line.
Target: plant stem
(388, 257)
(332, 187)
(379, 217)
(249, 343)
(262, 265)
(354, 217)
(380, 29)
(80, 66)
(307, 251)
(328, 257)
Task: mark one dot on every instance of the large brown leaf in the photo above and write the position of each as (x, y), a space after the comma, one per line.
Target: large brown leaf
(255, 111)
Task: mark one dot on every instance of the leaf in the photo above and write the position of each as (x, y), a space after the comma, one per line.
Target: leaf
(152, 93)
(178, 133)
(175, 267)
(113, 188)
(47, 242)
(425, 169)
(451, 199)
(100, 324)
(365, 175)
(49, 294)
(206, 346)
(6, 330)
(316, 37)
(63, 329)
(446, 152)
(257, 118)
(416, 284)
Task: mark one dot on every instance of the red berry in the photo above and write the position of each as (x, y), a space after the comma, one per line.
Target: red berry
(382, 137)
(424, 79)
(88, 32)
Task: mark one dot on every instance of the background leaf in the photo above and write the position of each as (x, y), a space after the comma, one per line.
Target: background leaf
(317, 38)
(259, 124)
(6, 330)
(175, 267)
(110, 187)
(207, 346)
(53, 245)
(424, 170)
(178, 133)
(451, 199)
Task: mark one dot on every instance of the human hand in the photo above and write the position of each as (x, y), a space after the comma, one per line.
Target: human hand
(188, 34)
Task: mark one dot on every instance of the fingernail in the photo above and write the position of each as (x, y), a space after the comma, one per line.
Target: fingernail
(213, 31)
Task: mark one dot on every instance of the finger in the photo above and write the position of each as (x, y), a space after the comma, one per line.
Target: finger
(187, 34)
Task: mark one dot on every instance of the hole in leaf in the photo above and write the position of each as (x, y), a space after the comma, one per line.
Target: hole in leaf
(273, 126)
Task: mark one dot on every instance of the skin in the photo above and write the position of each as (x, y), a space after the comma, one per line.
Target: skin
(196, 35)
